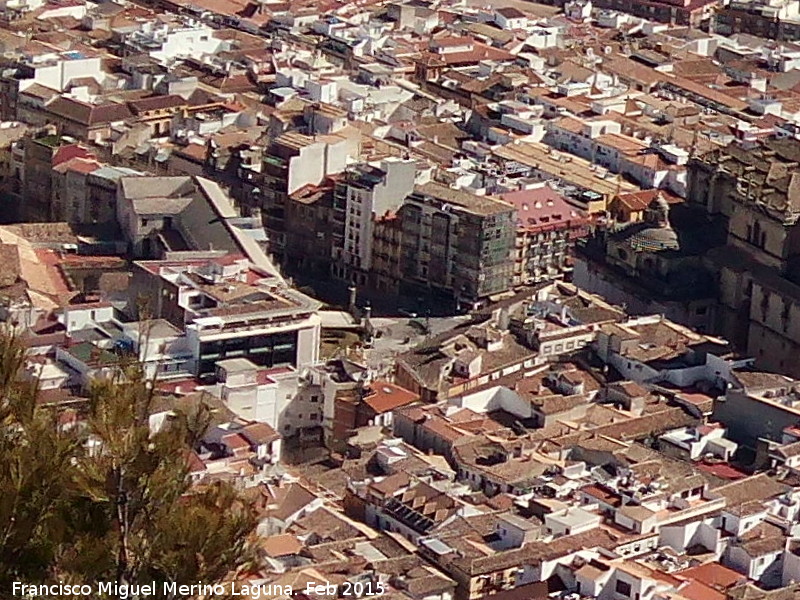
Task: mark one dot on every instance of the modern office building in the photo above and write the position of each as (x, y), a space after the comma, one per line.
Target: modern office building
(231, 309)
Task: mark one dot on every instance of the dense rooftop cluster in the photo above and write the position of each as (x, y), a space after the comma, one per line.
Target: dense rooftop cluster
(487, 301)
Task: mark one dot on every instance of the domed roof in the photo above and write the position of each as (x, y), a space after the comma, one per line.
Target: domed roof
(648, 237)
(654, 239)
(653, 234)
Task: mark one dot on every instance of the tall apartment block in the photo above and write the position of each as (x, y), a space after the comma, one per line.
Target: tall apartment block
(365, 194)
(457, 243)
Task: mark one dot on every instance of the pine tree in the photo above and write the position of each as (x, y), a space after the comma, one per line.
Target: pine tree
(35, 466)
(119, 509)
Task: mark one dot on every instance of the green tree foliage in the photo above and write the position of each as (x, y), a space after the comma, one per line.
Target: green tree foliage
(35, 475)
(111, 501)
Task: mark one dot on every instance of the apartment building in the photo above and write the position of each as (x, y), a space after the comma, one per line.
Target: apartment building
(457, 243)
(365, 193)
(677, 12)
(775, 20)
(166, 42)
(594, 188)
(602, 142)
(292, 162)
(50, 69)
(547, 228)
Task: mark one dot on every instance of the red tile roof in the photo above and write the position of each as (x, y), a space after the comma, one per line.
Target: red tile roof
(194, 462)
(714, 575)
(384, 397)
(235, 441)
(156, 103)
(88, 114)
(78, 165)
(281, 545)
(70, 151)
(259, 433)
(722, 470)
(542, 208)
(638, 201)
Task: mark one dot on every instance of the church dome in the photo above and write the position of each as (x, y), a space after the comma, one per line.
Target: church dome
(655, 239)
(655, 233)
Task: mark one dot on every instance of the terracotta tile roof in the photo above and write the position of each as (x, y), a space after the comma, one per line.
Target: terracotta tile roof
(194, 463)
(235, 441)
(37, 90)
(391, 484)
(509, 12)
(709, 93)
(88, 114)
(631, 388)
(756, 488)
(78, 165)
(763, 539)
(638, 201)
(647, 425)
(383, 396)
(631, 70)
(70, 151)
(542, 208)
(281, 545)
(714, 575)
(695, 590)
(539, 551)
(258, 433)
(602, 494)
(156, 103)
(283, 501)
(452, 42)
(194, 152)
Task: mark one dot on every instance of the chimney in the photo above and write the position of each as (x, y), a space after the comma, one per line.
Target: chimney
(353, 297)
(503, 319)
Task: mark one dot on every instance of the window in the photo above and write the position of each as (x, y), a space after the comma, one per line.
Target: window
(315, 398)
(623, 587)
